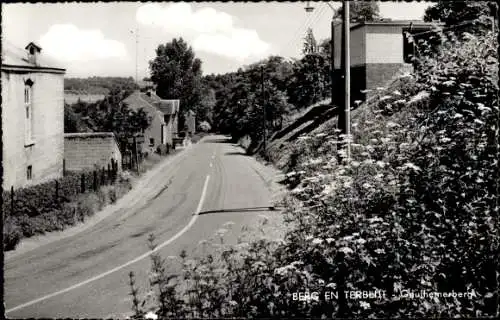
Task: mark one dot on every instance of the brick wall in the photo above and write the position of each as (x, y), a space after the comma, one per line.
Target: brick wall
(45, 155)
(90, 151)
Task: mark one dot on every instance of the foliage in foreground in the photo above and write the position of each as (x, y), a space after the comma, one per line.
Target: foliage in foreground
(415, 208)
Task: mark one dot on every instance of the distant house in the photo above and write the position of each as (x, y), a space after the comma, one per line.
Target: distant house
(89, 151)
(379, 50)
(32, 116)
(155, 135)
(191, 122)
(163, 113)
(170, 110)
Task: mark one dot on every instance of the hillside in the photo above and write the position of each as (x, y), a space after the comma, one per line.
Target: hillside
(98, 85)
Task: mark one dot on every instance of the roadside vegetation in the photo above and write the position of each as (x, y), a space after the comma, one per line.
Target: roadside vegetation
(58, 204)
(414, 208)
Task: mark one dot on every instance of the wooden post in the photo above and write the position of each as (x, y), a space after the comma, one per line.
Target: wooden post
(136, 155)
(64, 167)
(82, 183)
(95, 181)
(57, 191)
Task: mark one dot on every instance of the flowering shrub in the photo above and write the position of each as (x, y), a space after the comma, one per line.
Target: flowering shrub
(414, 208)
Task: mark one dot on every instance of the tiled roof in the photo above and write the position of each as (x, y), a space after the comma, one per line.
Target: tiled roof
(13, 56)
(138, 100)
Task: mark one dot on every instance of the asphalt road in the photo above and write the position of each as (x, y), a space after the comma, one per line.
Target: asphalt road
(86, 275)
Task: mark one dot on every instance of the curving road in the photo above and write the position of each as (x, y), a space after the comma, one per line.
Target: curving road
(185, 200)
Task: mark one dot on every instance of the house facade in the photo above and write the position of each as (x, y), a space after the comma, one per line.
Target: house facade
(163, 114)
(32, 116)
(191, 122)
(379, 50)
(90, 151)
(170, 110)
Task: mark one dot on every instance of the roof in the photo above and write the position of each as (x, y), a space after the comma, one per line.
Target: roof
(89, 135)
(168, 106)
(152, 98)
(32, 44)
(388, 22)
(138, 100)
(15, 58)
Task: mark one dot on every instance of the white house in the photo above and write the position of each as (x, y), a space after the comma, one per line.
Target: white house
(32, 116)
(378, 51)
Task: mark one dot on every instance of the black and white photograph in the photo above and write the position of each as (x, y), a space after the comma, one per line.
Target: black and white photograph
(236, 160)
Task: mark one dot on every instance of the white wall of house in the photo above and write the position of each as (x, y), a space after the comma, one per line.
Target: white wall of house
(384, 44)
(153, 134)
(44, 152)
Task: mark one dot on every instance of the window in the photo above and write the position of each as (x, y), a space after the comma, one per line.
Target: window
(28, 112)
(29, 172)
(151, 142)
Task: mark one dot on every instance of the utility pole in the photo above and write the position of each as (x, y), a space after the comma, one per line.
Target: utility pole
(347, 83)
(264, 108)
(332, 59)
(136, 56)
(344, 120)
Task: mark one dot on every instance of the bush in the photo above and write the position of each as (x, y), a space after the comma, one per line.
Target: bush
(414, 208)
(205, 126)
(37, 210)
(11, 234)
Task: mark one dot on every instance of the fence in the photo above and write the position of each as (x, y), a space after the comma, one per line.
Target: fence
(45, 197)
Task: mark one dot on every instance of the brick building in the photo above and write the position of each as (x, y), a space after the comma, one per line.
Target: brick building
(88, 151)
(379, 50)
(32, 116)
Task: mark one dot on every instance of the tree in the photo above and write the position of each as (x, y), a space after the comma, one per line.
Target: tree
(454, 13)
(310, 81)
(176, 72)
(310, 45)
(361, 11)
(325, 48)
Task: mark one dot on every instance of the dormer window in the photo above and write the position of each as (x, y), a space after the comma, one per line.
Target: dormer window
(33, 51)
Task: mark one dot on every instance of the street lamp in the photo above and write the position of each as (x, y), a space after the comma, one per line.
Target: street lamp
(345, 116)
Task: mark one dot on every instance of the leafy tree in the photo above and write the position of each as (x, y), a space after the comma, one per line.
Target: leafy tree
(310, 81)
(325, 48)
(454, 13)
(310, 45)
(177, 74)
(361, 11)
(70, 120)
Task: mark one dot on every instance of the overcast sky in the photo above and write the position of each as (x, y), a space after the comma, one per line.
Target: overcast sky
(99, 38)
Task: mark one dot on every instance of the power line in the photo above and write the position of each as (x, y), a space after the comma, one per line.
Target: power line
(299, 31)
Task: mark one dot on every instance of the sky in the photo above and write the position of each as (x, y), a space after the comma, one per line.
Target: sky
(107, 39)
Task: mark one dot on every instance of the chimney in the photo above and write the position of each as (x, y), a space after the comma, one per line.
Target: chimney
(33, 52)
